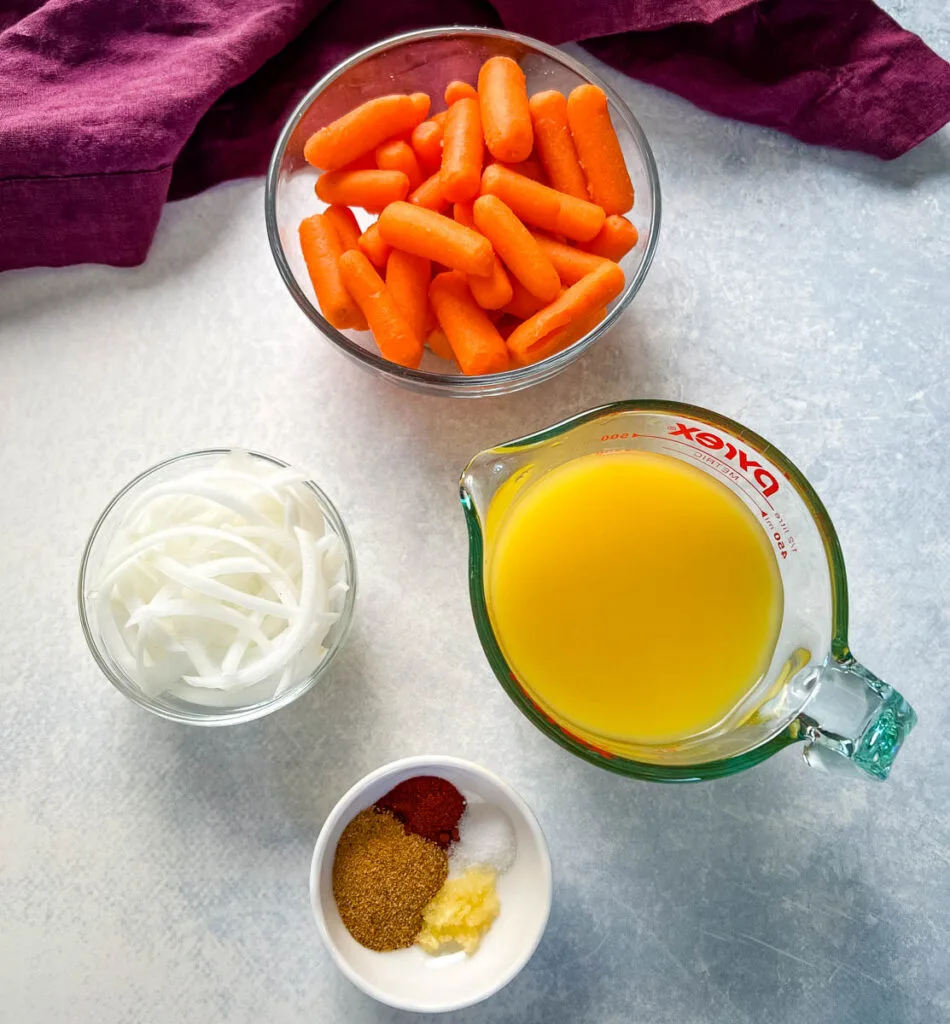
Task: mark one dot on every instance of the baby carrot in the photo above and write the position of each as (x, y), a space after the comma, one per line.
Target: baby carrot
(599, 149)
(590, 293)
(439, 343)
(542, 206)
(421, 102)
(614, 240)
(552, 140)
(506, 119)
(430, 195)
(396, 339)
(494, 291)
(370, 189)
(344, 221)
(459, 91)
(462, 212)
(321, 249)
(476, 343)
(523, 304)
(407, 278)
(426, 141)
(398, 155)
(561, 339)
(463, 151)
(571, 264)
(361, 130)
(426, 233)
(372, 246)
(514, 243)
(440, 118)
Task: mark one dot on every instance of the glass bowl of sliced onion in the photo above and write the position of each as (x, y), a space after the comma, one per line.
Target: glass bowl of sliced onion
(217, 587)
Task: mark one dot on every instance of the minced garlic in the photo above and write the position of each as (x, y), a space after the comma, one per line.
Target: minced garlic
(460, 912)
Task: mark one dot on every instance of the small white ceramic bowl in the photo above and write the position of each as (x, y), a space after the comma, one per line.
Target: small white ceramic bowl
(411, 979)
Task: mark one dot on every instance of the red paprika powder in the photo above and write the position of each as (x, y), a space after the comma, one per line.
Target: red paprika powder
(427, 806)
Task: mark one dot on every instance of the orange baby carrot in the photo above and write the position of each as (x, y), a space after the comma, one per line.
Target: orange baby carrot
(462, 212)
(598, 148)
(439, 343)
(321, 249)
(561, 339)
(372, 246)
(553, 142)
(430, 195)
(407, 278)
(459, 91)
(494, 291)
(370, 189)
(476, 344)
(514, 243)
(542, 206)
(421, 102)
(426, 233)
(396, 339)
(440, 118)
(523, 304)
(571, 264)
(506, 119)
(590, 293)
(398, 155)
(426, 141)
(463, 151)
(614, 240)
(361, 130)
(344, 221)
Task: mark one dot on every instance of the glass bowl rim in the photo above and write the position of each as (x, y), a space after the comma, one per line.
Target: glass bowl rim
(460, 383)
(215, 716)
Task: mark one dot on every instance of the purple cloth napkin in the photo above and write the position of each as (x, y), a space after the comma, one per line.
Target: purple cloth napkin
(110, 107)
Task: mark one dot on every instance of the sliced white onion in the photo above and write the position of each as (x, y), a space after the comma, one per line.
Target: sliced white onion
(225, 580)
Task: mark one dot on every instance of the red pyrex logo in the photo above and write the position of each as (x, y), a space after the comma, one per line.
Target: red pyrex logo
(762, 477)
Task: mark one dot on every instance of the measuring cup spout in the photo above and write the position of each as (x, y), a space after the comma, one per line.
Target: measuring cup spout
(486, 474)
(855, 721)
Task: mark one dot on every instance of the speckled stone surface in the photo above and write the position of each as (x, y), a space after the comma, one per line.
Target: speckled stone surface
(151, 872)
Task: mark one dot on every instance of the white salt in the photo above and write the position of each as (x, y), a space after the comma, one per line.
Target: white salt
(486, 838)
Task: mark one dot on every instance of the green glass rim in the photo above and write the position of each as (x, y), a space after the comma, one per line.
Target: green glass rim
(503, 671)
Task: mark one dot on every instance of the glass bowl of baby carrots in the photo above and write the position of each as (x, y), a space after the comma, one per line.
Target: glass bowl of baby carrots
(464, 211)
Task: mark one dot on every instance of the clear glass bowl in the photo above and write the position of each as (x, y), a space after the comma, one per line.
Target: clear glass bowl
(167, 705)
(427, 61)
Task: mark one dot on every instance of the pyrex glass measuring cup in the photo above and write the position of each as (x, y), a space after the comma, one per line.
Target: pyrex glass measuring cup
(813, 690)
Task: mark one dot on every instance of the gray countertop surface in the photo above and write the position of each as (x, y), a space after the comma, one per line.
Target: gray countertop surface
(154, 872)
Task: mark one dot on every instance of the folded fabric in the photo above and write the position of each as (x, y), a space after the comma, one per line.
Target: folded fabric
(110, 107)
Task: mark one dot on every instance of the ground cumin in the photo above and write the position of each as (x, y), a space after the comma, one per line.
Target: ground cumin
(382, 879)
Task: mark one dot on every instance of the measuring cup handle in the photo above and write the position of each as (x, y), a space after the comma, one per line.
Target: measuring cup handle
(855, 721)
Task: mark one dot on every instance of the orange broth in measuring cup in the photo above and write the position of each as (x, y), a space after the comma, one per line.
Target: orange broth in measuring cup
(634, 596)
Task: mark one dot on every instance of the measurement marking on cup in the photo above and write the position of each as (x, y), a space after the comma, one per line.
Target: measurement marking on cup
(783, 538)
